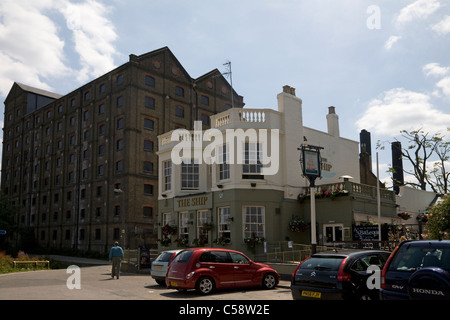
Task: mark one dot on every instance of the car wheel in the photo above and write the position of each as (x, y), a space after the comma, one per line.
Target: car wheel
(269, 281)
(205, 285)
(161, 282)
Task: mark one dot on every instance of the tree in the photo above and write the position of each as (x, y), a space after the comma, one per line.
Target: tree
(438, 223)
(427, 156)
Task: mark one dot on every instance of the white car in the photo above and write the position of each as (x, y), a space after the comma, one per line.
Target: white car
(161, 264)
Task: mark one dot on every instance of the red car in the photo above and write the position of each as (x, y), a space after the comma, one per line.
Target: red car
(207, 269)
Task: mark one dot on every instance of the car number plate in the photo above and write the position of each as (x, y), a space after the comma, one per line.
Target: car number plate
(311, 294)
(158, 267)
(174, 284)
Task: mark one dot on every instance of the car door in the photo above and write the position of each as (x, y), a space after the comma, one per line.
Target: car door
(244, 270)
(218, 263)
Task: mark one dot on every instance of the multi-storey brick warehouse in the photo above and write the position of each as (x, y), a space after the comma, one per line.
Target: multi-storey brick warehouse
(82, 167)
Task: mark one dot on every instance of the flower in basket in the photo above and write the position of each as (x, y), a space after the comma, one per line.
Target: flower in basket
(168, 230)
(207, 226)
(182, 242)
(200, 241)
(253, 240)
(222, 240)
(165, 242)
(404, 215)
(298, 225)
(422, 217)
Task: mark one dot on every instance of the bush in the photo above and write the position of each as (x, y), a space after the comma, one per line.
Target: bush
(438, 223)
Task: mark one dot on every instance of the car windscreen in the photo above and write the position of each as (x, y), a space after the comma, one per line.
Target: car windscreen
(164, 257)
(410, 258)
(328, 263)
(184, 256)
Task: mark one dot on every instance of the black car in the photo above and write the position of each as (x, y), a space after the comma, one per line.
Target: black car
(417, 270)
(336, 275)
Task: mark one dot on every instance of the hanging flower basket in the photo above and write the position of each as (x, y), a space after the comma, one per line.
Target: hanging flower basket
(252, 241)
(168, 230)
(207, 226)
(165, 242)
(183, 242)
(298, 225)
(422, 217)
(404, 215)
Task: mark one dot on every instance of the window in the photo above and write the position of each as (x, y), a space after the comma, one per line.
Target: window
(149, 102)
(148, 189)
(179, 111)
(167, 219)
(119, 80)
(148, 145)
(101, 88)
(86, 96)
(100, 170)
(148, 167)
(179, 91)
(254, 222)
(205, 119)
(119, 101)
(119, 165)
(119, 144)
(190, 175)
(224, 167)
(252, 155)
(150, 81)
(224, 224)
(120, 123)
(149, 124)
(205, 100)
(101, 108)
(148, 212)
(82, 234)
(98, 234)
(184, 225)
(167, 167)
(202, 218)
(101, 129)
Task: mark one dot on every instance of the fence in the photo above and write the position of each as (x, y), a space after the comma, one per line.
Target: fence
(139, 258)
(287, 252)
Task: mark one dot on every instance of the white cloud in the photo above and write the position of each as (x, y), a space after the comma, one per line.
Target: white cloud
(442, 27)
(33, 50)
(400, 109)
(434, 69)
(29, 45)
(93, 35)
(391, 41)
(419, 9)
(444, 85)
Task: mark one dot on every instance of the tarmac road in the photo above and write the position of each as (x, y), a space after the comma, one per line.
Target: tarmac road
(96, 284)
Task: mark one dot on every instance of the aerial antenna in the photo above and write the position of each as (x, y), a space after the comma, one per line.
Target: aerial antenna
(229, 74)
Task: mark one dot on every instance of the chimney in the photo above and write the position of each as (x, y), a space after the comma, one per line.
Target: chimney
(397, 165)
(333, 122)
(289, 89)
(364, 139)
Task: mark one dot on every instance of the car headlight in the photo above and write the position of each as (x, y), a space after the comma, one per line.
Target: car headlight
(190, 275)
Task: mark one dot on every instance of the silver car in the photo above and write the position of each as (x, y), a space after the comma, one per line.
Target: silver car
(161, 264)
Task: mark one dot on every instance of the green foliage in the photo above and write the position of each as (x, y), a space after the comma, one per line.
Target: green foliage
(438, 223)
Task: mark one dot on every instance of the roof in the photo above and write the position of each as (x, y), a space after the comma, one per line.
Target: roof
(39, 91)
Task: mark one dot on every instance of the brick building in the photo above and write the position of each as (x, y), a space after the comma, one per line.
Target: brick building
(82, 167)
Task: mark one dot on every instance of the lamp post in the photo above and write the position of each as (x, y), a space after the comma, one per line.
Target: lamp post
(311, 163)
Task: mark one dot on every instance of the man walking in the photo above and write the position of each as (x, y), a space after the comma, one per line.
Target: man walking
(115, 257)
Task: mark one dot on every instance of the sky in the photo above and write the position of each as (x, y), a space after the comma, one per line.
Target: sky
(384, 64)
